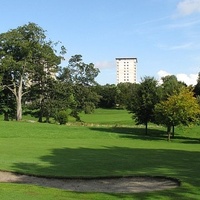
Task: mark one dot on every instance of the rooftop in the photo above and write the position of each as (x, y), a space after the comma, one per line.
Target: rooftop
(126, 58)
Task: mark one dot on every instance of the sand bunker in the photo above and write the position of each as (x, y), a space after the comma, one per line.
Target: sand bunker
(107, 185)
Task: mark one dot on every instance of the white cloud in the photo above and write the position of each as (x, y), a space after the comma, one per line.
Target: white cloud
(162, 73)
(189, 79)
(188, 7)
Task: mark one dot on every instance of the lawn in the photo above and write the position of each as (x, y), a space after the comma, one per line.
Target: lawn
(98, 151)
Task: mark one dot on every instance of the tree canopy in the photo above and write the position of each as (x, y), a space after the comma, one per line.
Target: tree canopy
(80, 77)
(197, 86)
(24, 52)
(180, 108)
(144, 99)
(31, 77)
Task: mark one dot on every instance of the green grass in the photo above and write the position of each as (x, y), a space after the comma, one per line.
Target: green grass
(100, 116)
(93, 151)
(109, 116)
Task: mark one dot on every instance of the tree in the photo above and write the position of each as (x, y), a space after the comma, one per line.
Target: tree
(62, 117)
(197, 86)
(7, 100)
(144, 99)
(80, 77)
(170, 86)
(124, 94)
(108, 95)
(49, 102)
(22, 51)
(180, 108)
(82, 73)
(45, 88)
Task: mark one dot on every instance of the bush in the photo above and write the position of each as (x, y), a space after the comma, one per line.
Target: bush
(88, 107)
(62, 117)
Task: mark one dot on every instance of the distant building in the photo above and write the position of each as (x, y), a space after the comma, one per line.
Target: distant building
(126, 70)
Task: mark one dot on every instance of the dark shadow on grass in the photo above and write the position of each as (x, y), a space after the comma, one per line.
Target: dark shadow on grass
(134, 132)
(139, 133)
(118, 161)
(187, 140)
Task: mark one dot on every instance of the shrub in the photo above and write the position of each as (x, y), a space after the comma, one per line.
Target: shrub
(89, 107)
(62, 117)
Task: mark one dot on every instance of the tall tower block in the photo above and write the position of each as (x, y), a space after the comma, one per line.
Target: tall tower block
(126, 70)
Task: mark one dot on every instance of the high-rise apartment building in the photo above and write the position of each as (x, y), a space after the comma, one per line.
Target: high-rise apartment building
(126, 70)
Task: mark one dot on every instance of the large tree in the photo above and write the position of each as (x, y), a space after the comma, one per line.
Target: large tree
(23, 51)
(144, 99)
(124, 94)
(170, 86)
(180, 108)
(82, 73)
(45, 87)
(108, 95)
(81, 77)
(47, 101)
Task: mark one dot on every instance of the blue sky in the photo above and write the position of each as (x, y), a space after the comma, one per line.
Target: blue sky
(162, 34)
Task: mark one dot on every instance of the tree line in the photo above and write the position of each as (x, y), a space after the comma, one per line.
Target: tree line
(169, 102)
(33, 82)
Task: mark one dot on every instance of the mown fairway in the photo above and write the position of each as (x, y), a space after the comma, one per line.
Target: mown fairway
(96, 151)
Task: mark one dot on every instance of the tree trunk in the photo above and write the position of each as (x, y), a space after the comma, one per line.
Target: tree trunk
(47, 119)
(40, 114)
(19, 109)
(169, 133)
(19, 101)
(172, 131)
(146, 128)
(41, 109)
(40, 118)
(6, 116)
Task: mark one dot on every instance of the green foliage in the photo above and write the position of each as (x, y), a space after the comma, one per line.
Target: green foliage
(80, 78)
(28, 60)
(125, 92)
(143, 102)
(88, 107)
(108, 95)
(170, 86)
(7, 102)
(62, 117)
(55, 96)
(82, 73)
(181, 108)
(197, 86)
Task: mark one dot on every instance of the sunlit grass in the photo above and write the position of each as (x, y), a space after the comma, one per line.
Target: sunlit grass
(96, 151)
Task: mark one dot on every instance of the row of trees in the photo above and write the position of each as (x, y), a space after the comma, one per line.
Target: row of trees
(169, 103)
(31, 76)
(33, 82)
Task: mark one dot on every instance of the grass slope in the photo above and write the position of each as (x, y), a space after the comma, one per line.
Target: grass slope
(92, 151)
